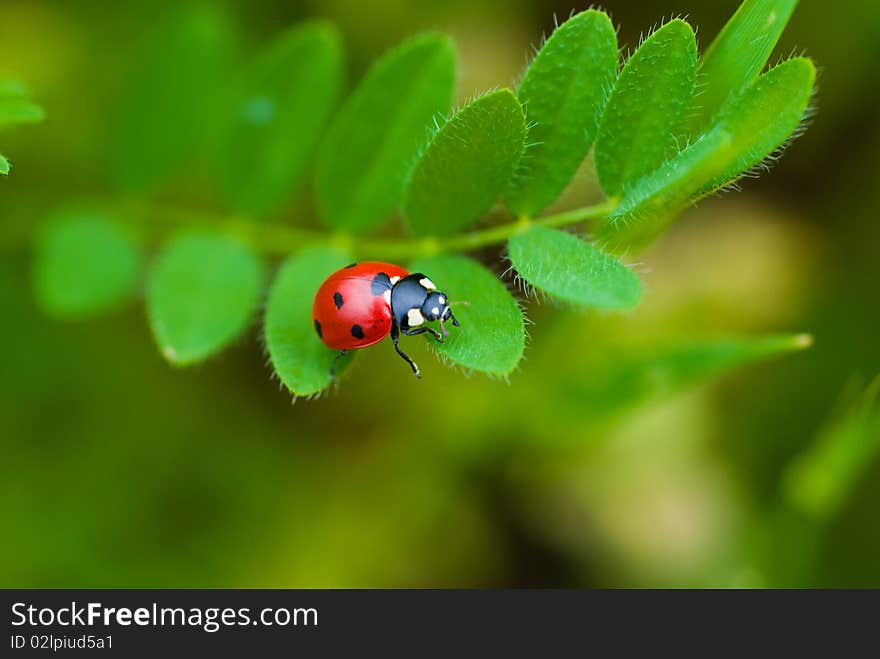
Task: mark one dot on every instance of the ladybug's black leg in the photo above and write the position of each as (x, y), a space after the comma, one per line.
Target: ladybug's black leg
(395, 337)
(422, 330)
(340, 355)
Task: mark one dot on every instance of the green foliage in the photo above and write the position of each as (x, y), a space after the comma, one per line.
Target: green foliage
(651, 93)
(173, 92)
(750, 129)
(738, 55)
(573, 271)
(491, 338)
(467, 165)
(85, 264)
(299, 358)
(765, 115)
(366, 156)
(659, 147)
(819, 480)
(278, 117)
(4, 165)
(563, 93)
(202, 292)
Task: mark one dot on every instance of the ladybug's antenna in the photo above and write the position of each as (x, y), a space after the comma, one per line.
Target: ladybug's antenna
(455, 322)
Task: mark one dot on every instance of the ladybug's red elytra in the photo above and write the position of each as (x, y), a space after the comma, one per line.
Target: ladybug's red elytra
(362, 303)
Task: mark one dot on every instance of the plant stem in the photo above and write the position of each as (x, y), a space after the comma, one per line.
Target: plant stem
(278, 239)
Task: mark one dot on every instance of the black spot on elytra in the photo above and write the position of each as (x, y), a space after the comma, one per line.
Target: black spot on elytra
(381, 283)
(318, 328)
(337, 300)
(357, 331)
(350, 265)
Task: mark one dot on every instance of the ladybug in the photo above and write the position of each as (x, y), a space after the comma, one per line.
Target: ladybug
(362, 303)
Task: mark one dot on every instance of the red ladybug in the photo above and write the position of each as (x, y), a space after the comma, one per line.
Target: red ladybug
(363, 303)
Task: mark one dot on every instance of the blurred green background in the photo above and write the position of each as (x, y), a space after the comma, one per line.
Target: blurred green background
(119, 470)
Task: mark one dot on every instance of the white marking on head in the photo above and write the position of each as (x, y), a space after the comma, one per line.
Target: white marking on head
(387, 296)
(395, 279)
(414, 318)
(441, 300)
(436, 311)
(427, 283)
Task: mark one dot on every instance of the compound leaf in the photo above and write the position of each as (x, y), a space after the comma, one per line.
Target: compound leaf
(651, 93)
(467, 165)
(573, 271)
(563, 93)
(364, 161)
(286, 101)
(202, 292)
(491, 338)
(299, 358)
(85, 264)
(737, 55)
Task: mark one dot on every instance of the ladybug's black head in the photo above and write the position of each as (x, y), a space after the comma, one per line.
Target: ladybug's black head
(436, 307)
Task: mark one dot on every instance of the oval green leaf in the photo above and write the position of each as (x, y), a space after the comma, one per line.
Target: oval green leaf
(737, 56)
(364, 161)
(202, 292)
(491, 338)
(85, 263)
(467, 165)
(563, 93)
(573, 271)
(173, 96)
(750, 129)
(765, 116)
(651, 93)
(279, 116)
(299, 358)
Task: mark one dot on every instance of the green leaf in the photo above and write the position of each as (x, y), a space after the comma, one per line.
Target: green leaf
(364, 161)
(573, 271)
(651, 93)
(16, 110)
(636, 375)
(818, 481)
(201, 294)
(765, 116)
(467, 165)
(737, 56)
(749, 130)
(279, 117)
(85, 264)
(491, 338)
(651, 202)
(173, 96)
(4, 165)
(563, 93)
(298, 356)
